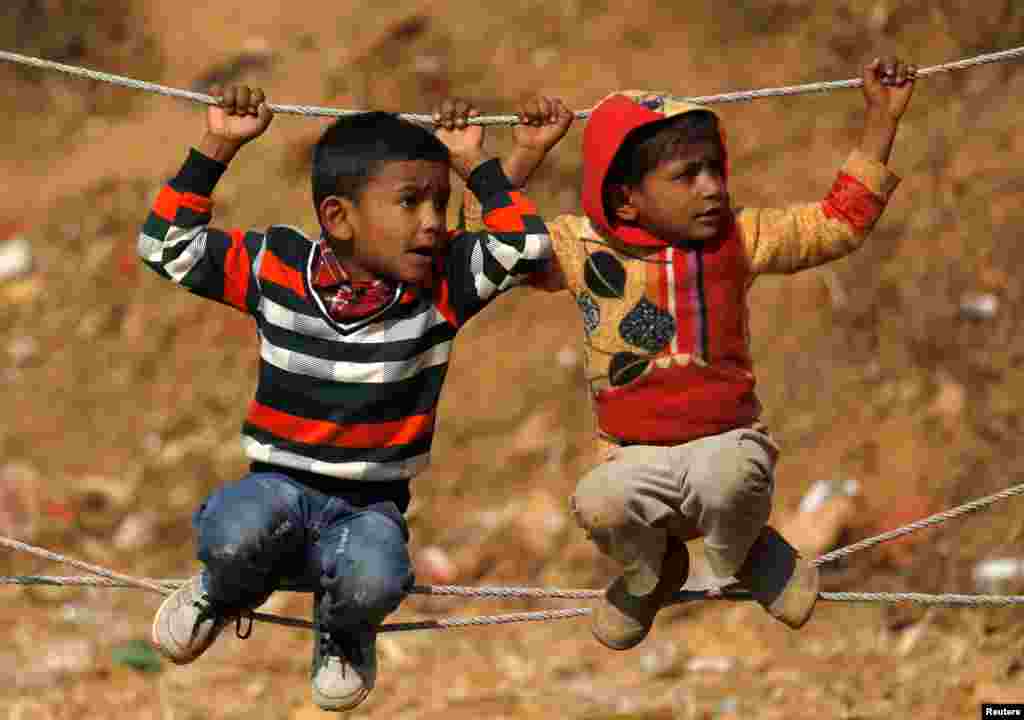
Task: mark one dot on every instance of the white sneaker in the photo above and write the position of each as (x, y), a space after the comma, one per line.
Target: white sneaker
(344, 666)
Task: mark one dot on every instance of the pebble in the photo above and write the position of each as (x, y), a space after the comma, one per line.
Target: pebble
(710, 664)
(998, 575)
(22, 349)
(15, 258)
(660, 660)
(435, 567)
(135, 532)
(822, 490)
(979, 306)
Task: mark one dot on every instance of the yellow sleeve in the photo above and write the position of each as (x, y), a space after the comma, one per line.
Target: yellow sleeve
(802, 236)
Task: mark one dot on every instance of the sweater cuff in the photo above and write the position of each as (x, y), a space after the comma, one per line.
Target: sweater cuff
(488, 179)
(199, 174)
(875, 176)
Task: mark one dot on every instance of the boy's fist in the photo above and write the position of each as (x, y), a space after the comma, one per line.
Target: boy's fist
(241, 116)
(465, 142)
(888, 85)
(543, 121)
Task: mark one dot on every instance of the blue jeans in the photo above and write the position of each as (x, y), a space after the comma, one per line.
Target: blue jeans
(268, 527)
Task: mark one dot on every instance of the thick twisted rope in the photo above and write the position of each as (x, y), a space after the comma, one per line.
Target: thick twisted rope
(948, 600)
(936, 519)
(426, 119)
(109, 578)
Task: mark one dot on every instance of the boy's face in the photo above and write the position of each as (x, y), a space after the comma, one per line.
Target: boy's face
(398, 223)
(684, 199)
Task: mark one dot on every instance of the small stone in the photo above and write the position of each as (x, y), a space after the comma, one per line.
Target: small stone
(710, 664)
(825, 512)
(661, 660)
(979, 306)
(999, 575)
(15, 258)
(22, 350)
(435, 567)
(135, 532)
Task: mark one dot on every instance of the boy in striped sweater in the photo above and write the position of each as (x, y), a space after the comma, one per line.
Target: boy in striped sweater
(660, 267)
(355, 329)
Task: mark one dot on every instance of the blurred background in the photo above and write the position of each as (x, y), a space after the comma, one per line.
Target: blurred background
(891, 379)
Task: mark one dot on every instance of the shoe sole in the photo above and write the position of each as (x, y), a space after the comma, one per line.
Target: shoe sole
(164, 610)
(619, 644)
(340, 705)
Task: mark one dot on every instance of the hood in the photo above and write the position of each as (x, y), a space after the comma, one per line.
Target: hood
(607, 129)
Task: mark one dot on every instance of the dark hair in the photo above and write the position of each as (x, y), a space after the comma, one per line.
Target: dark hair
(352, 149)
(648, 146)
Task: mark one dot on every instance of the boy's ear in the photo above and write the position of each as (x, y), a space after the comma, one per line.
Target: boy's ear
(624, 203)
(336, 215)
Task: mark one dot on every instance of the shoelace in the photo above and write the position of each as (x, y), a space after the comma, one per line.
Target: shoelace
(206, 612)
(347, 647)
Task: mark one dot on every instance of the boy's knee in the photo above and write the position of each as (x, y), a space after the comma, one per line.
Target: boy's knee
(600, 503)
(731, 477)
(369, 573)
(242, 532)
(379, 595)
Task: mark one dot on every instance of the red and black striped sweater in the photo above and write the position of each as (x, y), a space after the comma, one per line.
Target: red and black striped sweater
(354, 402)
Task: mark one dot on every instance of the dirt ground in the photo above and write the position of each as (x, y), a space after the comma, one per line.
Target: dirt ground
(897, 368)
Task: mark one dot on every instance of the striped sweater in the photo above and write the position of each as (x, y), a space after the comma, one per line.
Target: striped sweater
(354, 402)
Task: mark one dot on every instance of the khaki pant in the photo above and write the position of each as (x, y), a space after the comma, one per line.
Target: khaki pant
(717, 487)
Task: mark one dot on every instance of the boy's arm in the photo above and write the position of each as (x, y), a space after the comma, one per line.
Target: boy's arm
(176, 240)
(551, 277)
(513, 248)
(543, 123)
(803, 236)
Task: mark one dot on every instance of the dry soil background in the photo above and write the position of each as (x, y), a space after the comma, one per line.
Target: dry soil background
(122, 396)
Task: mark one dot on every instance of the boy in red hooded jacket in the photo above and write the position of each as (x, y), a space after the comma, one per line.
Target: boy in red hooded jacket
(660, 268)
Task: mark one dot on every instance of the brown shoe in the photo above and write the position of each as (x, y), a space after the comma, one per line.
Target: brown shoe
(782, 581)
(620, 620)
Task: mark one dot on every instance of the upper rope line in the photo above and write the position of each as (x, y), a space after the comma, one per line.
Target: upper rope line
(109, 578)
(426, 119)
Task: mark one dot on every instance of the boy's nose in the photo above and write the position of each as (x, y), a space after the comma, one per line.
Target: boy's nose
(710, 185)
(432, 219)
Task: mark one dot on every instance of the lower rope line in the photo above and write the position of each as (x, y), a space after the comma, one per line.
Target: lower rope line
(426, 119)
(103, 577)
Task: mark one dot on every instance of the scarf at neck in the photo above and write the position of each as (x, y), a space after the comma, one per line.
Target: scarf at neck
(347, 299)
